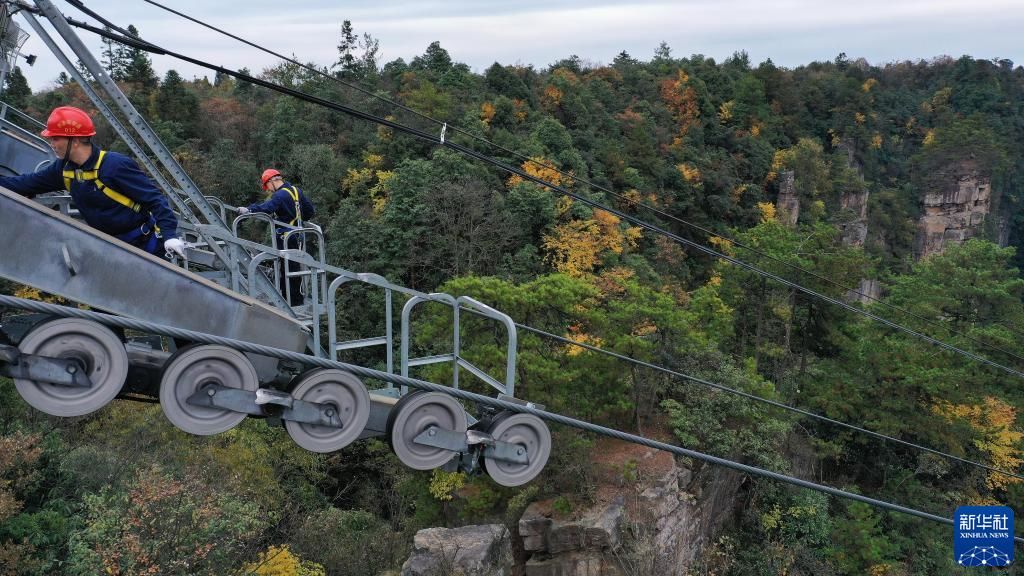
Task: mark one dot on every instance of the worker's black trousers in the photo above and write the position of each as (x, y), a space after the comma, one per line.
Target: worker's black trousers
(294, 284)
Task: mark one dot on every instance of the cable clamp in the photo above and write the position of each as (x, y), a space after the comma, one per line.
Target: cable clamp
(444, 128)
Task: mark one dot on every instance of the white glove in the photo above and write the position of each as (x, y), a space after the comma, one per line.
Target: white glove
(243, 210)
(175, 246)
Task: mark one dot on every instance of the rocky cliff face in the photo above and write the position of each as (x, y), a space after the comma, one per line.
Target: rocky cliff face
(853, 224)
(787, 206)
(955, 211)
(853, 228)
(657, 526)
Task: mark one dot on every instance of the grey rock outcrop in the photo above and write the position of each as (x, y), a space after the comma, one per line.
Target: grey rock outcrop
(853, 221)
(660, 530)
(577, 547)
(868, 291)
(955, 211)
(788, 204)
(467, 551)
(658, 527)
(854, 227)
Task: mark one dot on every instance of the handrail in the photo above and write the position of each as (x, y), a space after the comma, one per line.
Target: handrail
(33, 139)
(254, 263)
(236, 223)
(513, 341)
(213, 200)
(454, 356)
(332, 329)
(316, 231)
(4, 107)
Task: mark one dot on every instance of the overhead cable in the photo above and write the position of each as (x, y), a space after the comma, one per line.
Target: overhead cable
(761, 399)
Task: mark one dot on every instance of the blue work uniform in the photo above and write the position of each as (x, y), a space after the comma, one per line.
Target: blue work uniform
(132, 209)
(281, 205)
(289, 205)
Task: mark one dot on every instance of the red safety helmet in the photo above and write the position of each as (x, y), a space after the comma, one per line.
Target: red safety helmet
(68, 122)
(267, 175)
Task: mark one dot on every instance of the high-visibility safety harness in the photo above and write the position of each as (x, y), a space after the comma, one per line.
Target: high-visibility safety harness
(294, 193)
(146, 229)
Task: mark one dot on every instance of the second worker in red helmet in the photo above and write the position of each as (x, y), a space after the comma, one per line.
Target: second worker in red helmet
(288, 204)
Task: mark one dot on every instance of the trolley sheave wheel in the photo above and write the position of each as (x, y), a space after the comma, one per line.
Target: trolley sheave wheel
(194, 368)
(416, 413)
(342, 393)
(530, 435)
(92, 345)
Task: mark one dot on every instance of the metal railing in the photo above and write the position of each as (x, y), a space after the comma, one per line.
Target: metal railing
(6, 109)
(324, 283)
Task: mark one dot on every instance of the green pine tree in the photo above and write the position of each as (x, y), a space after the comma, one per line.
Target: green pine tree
(16, 90)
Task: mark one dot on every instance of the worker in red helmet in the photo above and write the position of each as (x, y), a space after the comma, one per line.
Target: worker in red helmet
(110, 191)
(289, 205)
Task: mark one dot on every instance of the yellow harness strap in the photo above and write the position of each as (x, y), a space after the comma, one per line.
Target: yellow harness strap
(294, 193)
(93, 175)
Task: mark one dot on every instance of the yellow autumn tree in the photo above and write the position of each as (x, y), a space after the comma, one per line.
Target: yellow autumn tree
(385, 133)
(610, 232)
(356, 179)
(993, 421)
(543, 169)
(681, 99)
(378, 192)
(575, 247)
(487, 111)
(632, 197)
(522, 109)
(690, 173)
(736, 195)
(576, 334)
(281, 561)
(723, 245)
(369, 180)
(725, 111)
(444, 485)
(552, 97)
(563, 205)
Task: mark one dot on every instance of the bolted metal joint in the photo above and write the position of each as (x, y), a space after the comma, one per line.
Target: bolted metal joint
(58, 371)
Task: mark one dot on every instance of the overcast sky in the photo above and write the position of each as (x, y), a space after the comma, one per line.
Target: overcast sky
(479, 33)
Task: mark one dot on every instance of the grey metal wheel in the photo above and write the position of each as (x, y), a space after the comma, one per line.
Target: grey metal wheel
(530, 434)
(100, 352)
(414, 414)
(348, 398)
(188, 371)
